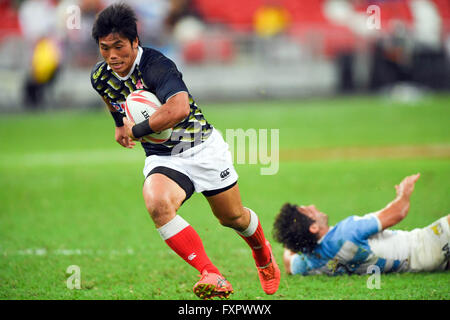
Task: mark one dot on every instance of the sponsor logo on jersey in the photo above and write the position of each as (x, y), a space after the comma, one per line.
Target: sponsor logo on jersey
(139, 85)
(119, 106)
(437, 229)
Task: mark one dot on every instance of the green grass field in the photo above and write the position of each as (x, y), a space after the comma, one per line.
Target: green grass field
(70, 195)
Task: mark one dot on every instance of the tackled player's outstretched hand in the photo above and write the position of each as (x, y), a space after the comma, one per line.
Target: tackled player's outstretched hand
(406, 187)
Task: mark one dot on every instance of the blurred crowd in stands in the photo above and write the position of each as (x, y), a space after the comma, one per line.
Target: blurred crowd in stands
(405, 40)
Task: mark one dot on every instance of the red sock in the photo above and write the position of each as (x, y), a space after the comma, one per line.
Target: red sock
(254, 236)
(186, 242)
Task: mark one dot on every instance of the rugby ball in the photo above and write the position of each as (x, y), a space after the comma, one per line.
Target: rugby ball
(139, 107)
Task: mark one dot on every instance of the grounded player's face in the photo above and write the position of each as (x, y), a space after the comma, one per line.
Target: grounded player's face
(118, 52)
(311, 211)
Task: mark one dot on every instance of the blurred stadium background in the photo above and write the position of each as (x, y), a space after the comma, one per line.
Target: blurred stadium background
(233, 50)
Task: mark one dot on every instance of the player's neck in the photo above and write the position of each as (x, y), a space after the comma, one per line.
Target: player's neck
(323, 231)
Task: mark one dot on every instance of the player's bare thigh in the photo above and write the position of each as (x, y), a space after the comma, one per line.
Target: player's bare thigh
(162, 197)
(227, 207)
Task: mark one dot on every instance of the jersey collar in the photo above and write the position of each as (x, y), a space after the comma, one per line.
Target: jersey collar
(136, 62)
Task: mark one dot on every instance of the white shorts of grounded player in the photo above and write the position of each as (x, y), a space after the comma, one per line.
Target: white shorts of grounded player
(427, 249)
(208, 165)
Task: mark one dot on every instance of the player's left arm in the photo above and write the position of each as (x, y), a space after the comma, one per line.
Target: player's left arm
(397, 210)
(120, 133)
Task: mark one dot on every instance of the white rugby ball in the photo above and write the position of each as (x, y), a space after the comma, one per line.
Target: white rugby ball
(140, 105)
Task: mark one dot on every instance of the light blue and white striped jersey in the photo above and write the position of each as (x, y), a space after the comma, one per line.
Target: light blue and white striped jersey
(346, 248)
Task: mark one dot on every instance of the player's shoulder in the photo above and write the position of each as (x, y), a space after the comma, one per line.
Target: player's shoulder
(359, 227)
(99, 68)
(343, 230)
(357, 219)
(150, 55)
(351, 223)
(156, 61)
(369, 218)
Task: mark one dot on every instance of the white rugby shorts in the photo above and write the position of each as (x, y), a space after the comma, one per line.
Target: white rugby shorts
(430, 246)
(207, 167)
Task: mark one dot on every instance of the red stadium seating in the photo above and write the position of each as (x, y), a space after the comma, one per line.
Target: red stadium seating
(305, 11)
(310, 25)
(209, 49)
(239, 14)
(308, 20)
(236, 14)
(9, 22)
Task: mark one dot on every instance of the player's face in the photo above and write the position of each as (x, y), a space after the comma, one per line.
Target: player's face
(118, 52)
(311, 211)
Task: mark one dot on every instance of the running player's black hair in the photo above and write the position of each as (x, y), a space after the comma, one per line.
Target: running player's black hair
(291, 228)
(117, 18)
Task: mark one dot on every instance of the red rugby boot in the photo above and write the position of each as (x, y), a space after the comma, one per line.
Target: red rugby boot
(212, 285)
(270, 275)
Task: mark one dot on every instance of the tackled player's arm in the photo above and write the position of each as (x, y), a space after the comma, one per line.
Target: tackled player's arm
(397, 210)
(287, 258)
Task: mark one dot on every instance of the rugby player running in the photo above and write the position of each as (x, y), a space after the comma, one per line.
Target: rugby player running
(172, 169)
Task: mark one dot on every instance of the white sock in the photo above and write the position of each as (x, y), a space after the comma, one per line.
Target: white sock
(172, 227)
(252, 226)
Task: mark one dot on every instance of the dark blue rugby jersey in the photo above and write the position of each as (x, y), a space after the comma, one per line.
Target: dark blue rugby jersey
(155, 73)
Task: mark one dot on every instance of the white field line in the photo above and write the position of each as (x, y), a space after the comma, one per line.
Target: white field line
(66, 252)
(42, 252)
(137, 155)
(367, 152)
(74, 157)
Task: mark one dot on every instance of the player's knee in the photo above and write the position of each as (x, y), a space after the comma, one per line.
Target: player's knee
(235, 220)
(159, 206)
(227, 222)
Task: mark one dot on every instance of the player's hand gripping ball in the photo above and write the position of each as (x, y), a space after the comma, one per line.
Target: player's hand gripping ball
(140, 105)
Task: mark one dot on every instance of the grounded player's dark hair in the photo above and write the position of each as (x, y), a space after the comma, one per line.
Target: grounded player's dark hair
(117, 18)
(291, 228)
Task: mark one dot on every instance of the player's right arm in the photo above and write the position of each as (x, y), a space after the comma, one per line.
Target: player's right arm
(120, 134)
(397, 210)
